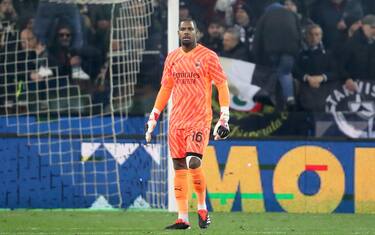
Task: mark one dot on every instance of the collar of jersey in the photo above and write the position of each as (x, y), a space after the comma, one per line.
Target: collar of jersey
(189, 52)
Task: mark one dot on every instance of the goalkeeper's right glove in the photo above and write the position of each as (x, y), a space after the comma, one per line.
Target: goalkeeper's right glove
(151, 123)
(221, 130)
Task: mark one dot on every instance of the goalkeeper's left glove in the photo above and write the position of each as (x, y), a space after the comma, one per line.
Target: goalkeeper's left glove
(151, 123)
(221, 130)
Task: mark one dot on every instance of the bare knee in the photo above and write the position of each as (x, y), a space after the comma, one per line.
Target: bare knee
(193, 162)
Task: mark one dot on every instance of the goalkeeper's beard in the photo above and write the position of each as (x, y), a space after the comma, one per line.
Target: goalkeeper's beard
(189, 44)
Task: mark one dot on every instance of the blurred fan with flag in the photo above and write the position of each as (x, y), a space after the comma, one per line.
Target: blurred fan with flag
(251, 86)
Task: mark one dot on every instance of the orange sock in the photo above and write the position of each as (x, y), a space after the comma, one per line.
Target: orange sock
(181, 191)
(199, 184)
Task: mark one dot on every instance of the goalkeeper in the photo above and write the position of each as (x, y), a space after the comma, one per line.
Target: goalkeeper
(188, 75)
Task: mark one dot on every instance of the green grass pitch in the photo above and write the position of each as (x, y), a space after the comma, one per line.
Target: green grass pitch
(76, 222)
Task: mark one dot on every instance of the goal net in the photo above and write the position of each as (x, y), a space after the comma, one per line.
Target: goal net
(76, 133)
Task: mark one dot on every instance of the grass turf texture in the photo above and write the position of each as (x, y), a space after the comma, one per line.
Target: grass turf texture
(131, 222)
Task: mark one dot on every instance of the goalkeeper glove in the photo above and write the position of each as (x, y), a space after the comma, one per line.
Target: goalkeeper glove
(151, 123)
(221, 130)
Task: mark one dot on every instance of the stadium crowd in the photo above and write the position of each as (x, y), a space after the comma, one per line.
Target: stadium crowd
(312, 45)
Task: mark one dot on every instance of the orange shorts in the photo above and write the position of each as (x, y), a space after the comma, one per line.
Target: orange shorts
(189, 140)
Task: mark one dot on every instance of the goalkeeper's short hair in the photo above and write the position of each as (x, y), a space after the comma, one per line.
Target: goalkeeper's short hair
(188, 19)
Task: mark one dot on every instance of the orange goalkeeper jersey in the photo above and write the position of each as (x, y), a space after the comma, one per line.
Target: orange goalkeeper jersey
(190, 76)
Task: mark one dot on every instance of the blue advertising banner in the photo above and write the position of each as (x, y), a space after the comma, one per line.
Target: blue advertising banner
(242, 175)
(31, 180)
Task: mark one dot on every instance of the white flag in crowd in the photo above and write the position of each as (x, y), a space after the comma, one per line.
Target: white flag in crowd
(245, 80)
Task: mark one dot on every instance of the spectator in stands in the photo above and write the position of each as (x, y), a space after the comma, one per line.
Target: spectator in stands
(36, 69)
(224, 8)
(213, 38)
(202, 11)
(7, 12)
(332, 16)
(243, 21)
(316, 70)
(100, 16)
(26, 8)
(159, 27)
(233, 47)
(353, 24)
(83, 67)
(88, 29)
(259, 6)
(227, 7)
(293, 6)
(34, 49)
(23, 61)
(28, 39)
(26, 21)
(184, 12)
(358, 60)
(64, 56)
(277, 41)
(50, 15)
